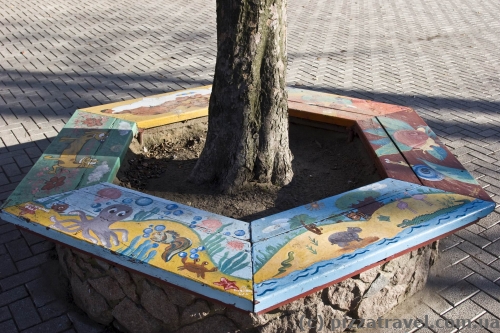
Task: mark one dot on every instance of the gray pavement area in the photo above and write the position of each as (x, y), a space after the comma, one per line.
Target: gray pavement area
(440, 57)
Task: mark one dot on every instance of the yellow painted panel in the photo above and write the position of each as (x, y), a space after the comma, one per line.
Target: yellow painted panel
(131, 240)
(160, 109)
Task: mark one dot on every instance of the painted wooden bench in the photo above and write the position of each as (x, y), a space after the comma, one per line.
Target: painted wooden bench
(257, 266)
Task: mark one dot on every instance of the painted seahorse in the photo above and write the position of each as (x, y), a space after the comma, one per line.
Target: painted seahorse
(285, 264)
(426, 217)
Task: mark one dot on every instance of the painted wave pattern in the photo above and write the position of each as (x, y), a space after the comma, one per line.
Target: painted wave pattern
(273, 285)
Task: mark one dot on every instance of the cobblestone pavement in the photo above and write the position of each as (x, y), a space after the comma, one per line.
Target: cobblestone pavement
(440, 57)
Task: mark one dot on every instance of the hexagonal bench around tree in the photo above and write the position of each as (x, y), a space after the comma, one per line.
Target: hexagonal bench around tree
(258, 266)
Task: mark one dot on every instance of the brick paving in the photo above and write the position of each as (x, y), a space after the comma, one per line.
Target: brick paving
(439, 57)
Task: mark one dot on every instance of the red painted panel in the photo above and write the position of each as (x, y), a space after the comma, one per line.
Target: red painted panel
(387, 157)
(430, 159)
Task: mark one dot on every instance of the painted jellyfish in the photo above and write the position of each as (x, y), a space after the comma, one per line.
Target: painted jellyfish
(107, 193)
(403, 205)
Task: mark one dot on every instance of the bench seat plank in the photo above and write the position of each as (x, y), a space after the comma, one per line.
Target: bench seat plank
(296, 263)
(212, 255)
(358, 203)
(352, 106)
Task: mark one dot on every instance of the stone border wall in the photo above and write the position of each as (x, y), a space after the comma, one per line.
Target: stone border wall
(134, 303)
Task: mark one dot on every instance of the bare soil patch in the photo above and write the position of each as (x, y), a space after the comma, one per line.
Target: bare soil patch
(324, 164)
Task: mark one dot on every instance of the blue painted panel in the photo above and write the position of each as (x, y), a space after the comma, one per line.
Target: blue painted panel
(275, 290)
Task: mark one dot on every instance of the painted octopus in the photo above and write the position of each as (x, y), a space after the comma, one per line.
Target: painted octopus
(99, 225)
(194, 267)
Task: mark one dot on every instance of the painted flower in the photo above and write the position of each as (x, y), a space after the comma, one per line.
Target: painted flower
(53, 183)
(92, 122)
(235, 245)
(411, 138)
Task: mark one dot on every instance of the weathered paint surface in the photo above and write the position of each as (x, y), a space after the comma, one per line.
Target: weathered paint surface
(341, 107)
(429, 158)
(206, 248)
(86, 151)
(161, 109)
(375, 223)
(65, 197)
(384, 152)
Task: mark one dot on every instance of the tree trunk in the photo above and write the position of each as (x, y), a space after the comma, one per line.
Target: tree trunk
(247, 137)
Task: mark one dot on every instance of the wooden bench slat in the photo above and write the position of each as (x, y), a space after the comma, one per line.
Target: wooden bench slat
(384, 152)
(352, 107)
(174, 240)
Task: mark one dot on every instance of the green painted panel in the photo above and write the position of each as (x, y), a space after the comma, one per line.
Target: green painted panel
(81, 148)
(110, 154)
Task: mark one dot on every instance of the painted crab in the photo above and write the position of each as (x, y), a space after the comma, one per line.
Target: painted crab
(194, 267)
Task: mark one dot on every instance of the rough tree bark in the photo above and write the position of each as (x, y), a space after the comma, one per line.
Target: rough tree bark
(247, 137)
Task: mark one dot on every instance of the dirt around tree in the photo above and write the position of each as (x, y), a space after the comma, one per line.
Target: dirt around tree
(324, 164)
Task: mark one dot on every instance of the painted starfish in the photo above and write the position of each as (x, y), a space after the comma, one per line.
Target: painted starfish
(227, 284)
